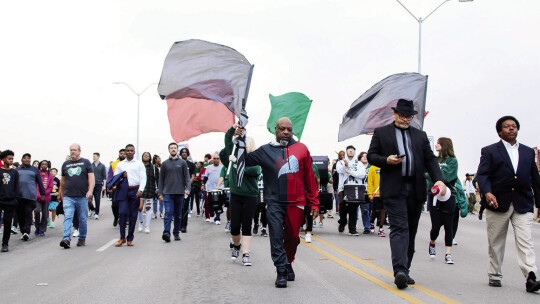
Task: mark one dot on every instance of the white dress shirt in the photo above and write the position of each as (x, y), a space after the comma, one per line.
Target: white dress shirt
(136, 172)
(469, 187)
(513, 153)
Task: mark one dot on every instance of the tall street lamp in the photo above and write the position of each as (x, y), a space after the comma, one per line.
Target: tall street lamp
(420, 20)
(138, 107)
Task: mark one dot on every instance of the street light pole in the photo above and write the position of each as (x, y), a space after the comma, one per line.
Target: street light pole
(420, 20)
(138, 110)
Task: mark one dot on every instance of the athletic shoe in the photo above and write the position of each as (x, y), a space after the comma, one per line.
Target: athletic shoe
(372, 228)
(189, 215)
(228, 226)
(146, 230)
(354, 233)
(235, 252)
(308, 237)
(212, 219)
(454, 242)
(290, 272)
(198, 214)
(448, 259)
(5, 248)
(49, 222)
(166, 237)
(218, 222)
(281, 280)
(231, 243)
(75, 233)
(432, 251)
(320, 225)
(36, 233)
(330, 215)
(263, 232)
(92, 212)
(255, 228)
(141, 226)
(315, 224)
(381, 233)
(96, 217)
(25, 237)
(367, 231)
(177, 237)
(207, 219)
(13, 230)
(161, 215)
(401, 280)
(52, 225)
(65, 244)
(42, 234)
(341, 228)
(154, 215)
(245, 260)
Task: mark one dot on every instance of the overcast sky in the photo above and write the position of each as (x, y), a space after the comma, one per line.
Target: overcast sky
(59, 59)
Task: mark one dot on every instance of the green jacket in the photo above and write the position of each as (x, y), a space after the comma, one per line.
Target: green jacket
(449, 168)
(249, 183)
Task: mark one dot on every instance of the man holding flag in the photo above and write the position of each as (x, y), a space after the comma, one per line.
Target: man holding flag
(287, 172)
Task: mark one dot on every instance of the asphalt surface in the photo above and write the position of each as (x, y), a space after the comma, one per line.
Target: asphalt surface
(334, 268)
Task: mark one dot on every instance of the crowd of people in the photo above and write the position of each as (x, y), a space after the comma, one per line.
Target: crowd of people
(277, 188)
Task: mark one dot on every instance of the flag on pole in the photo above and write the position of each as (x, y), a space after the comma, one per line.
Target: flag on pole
(204, 84)
(293, 105)
(374, 108)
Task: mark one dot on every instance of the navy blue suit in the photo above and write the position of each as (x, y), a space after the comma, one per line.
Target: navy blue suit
(496, 175)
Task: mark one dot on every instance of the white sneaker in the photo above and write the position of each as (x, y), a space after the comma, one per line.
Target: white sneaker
(154, 215)
(308, 237)
(212, 219)
(208, 220)
(140, 226)
(75, 233)
(146, 230)
(92, 212)
(217, 222)
(189, 215)
(96, 217)
(320, 225)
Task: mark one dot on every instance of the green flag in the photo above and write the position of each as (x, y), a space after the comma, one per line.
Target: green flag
(293, 105)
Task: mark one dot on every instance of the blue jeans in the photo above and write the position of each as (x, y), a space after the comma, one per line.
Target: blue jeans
(74, 205)
(155, 205)
(173, 206)
(366, 215)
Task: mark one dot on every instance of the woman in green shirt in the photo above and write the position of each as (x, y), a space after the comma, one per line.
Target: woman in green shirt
(442, 213)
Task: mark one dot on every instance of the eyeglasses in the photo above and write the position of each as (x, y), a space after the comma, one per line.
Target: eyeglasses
(405, 116)
(216, 157)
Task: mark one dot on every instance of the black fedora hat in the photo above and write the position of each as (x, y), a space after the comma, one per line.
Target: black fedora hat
(405, 106)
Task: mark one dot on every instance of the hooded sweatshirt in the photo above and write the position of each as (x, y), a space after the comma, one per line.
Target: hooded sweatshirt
(356, 174)
(286, 171)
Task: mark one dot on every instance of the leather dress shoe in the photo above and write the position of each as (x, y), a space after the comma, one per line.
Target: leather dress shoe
(400, 280)
(532, 284)
(130, 243)
(495, 283)
(410, 281)
(120, 242)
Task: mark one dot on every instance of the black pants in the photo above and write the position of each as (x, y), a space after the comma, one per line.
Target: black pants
(196, 198)
(261, 208)
(8, 208)
(41, 215)
(24, 214)
(308, 219)
(97, 198)
(441, 217)
(242, 211)
(351, 210)
(185, 211)
(114, 207)
(404, 213)
(455, 222)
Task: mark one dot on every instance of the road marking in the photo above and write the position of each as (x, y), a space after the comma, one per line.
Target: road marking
(104, 247)
(369, 277)
(421, 288)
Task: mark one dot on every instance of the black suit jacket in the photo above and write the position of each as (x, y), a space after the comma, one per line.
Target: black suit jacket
(496, 175)
(384, 144)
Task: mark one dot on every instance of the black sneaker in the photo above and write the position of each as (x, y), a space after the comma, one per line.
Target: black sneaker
(367, 231)
(341, 228)
(432, 251)
(235, 252)
(401, 280)
(290, 272)
(245, 260)
(255, 228)
(166, 237)
(5, 248)
(25, 237)
(531, 285)
(354, 233)
(183, 229)
(65, 244)
(177, 237)
(264, 233)
(281, 280)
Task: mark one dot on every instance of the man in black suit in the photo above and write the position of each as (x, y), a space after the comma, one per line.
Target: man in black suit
(509, 181)
(403, 184)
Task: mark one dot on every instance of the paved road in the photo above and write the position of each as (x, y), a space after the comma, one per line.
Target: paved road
(333, 269)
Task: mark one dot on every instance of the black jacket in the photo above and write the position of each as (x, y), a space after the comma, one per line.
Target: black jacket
(384, 144)
(496, 175)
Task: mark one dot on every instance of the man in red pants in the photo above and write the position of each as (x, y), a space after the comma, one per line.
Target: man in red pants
(288, 179)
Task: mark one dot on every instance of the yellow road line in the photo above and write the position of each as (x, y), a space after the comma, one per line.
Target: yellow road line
(369, 277)
(421, 288)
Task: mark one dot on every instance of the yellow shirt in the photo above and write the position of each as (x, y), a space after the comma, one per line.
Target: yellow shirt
(374, 181)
